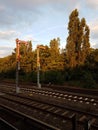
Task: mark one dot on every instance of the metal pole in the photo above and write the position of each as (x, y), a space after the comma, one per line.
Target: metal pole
(17, 66)
(17, 76)
(88, 124)
(38, 75)
(38, 69)
(74, 122)
(18, 42)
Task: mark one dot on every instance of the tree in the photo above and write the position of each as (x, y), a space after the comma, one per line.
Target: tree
(85, 44)
(54, 47)
(78, 46)
(55, 53)
(92, 63)
(45, 58)
(26, 57)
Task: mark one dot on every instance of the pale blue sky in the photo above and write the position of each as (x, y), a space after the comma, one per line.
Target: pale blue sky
(43, 20)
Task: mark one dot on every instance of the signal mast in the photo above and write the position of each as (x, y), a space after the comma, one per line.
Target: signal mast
(38, 65)
(18, 44)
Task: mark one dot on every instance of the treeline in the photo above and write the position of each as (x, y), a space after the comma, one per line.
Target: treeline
(76, 63)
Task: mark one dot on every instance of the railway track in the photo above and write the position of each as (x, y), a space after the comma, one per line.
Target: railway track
(17, 120)
(49, 111)
(38, 110)
(57, 108)
(93, 92)
(59, 95)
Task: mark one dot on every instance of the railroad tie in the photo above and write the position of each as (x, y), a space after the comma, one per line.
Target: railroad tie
(45, 107)
(64, 113)
(72, 115)
(90, 122)
(40, 105)
(50, 109)
(35, 104)
(82, 118)
(58, 110)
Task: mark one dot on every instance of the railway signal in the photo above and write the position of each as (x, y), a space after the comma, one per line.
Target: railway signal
(18, 44)
(38, 65)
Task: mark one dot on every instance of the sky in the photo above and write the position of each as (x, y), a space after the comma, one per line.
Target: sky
(43, 20)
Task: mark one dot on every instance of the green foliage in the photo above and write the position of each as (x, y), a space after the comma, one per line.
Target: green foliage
(53, 77)
(88, 80)
(78, 46)
(32, 77)
(60, 78)
(76, 63)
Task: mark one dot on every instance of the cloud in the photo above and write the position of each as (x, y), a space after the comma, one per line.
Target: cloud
(34, 5)
(92, 3)
(40, 19)
(2, 7)
(94, 29)
(5, 51)
(25, 12)
(25, 4)
(8, 35)
(30, 2)
(96, 45)
(17, 13)
(94, 33)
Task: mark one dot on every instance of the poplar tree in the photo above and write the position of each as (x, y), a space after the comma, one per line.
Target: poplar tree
(26, 57)
(54, 47)
(78, 46)
(55, 53)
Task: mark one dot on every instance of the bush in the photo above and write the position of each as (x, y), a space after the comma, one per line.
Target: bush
(88, 80)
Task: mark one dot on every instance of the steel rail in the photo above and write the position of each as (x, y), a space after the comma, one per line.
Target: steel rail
(39, 122)
(26, 103)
